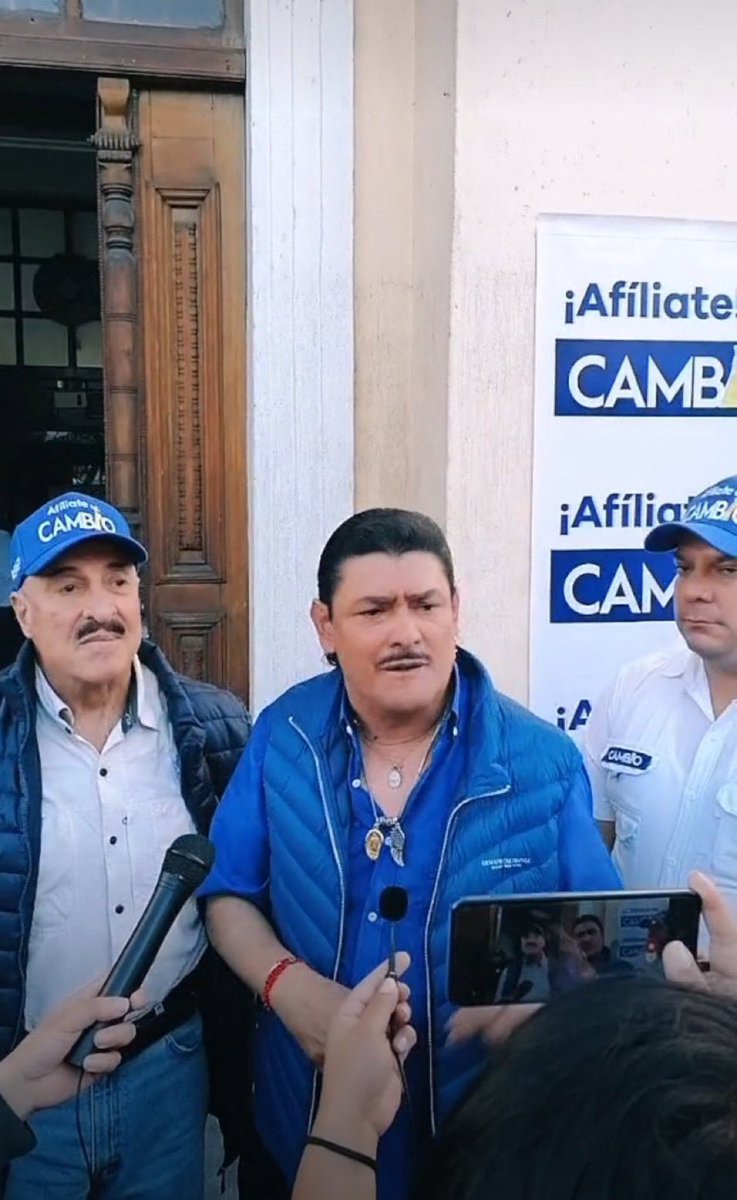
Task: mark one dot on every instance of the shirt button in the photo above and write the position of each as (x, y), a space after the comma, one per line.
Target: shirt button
(119, 908)
(373, 917)
(113, 840)
(355, 783)
(103, 771)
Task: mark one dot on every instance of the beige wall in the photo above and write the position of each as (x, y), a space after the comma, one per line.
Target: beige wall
(404, 115)
(617, 107)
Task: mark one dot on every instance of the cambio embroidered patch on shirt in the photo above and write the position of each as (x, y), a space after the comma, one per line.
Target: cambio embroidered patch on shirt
(626, 759)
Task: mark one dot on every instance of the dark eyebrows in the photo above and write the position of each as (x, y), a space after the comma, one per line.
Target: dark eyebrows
(386, 601)
(718, 560)
(424, 597)
(375, 601)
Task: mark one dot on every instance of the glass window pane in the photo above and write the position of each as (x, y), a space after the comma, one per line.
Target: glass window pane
(27, 276)
(7, 287)
(24, 6)
(187, 14)
(84, 234)
(41, 232)
(45, 344)
(6, 232)
(7, 341)
(89, 345)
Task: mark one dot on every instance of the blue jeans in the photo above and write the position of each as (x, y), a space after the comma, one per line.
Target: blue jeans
(143, 1128)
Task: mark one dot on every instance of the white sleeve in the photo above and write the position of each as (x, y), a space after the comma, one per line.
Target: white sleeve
(595, 741)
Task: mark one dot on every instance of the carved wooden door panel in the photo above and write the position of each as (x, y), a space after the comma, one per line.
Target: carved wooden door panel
(191, 253)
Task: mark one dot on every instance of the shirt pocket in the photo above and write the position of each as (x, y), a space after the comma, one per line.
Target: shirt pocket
(155, 825)
(629, 773)
(725, 842)
(55, 892)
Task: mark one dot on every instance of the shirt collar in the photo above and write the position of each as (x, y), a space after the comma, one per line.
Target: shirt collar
(452, 716)
(139, 710)
(696, 684)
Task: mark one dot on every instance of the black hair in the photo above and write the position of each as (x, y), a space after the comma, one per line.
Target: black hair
(589, 917)
(380, 531)
(620, 1089)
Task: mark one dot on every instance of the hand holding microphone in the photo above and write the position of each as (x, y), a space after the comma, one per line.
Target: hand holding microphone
(393, 905)
(362, 1078)
(187, 864)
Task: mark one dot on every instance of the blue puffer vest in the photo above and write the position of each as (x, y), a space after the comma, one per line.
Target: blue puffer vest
(210, 727)
(517, 773)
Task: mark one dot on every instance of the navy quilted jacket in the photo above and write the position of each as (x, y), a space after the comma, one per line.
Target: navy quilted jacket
(211, 728)
(518, 779)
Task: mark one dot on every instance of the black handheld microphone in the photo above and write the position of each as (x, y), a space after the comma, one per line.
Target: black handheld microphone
(187, 863)
(393, 905)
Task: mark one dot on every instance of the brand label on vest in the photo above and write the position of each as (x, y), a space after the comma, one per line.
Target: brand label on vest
(506, 864)
(623, 758)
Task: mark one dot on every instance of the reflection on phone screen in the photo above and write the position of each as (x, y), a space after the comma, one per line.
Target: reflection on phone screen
(529, 952)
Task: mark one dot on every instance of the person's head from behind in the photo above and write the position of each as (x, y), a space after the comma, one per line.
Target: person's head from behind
(589, 934)
(532, 942)
(705, 547)
(387, 610)
(74, 567)
(624, 1089)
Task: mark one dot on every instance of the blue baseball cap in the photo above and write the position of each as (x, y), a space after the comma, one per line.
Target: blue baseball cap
(58, 526)
(711, 516)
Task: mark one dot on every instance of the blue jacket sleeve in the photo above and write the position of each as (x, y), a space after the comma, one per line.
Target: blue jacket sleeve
(240, 831)
(585, 862)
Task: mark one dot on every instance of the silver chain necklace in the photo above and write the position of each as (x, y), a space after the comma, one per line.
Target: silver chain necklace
(388, 830)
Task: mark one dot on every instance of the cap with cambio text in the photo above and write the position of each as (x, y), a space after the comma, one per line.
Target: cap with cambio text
(63, 523)
(711, 516)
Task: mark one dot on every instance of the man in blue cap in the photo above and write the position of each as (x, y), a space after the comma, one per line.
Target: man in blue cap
(106, 756)
(661, 744)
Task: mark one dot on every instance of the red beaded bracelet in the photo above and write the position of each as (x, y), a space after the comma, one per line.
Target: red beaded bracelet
(275, 974)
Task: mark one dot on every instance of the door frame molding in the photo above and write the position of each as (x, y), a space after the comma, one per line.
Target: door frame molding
(116, 144)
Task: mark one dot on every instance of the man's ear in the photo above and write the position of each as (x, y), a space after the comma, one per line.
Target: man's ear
(320, 616)
(21, 610)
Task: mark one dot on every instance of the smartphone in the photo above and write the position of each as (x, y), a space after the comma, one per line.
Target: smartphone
(528, 949)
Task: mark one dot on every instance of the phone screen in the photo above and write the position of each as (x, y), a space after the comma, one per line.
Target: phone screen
(528, 949)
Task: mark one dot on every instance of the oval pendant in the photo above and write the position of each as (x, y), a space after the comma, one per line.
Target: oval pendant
(373, 843)
(394, 778)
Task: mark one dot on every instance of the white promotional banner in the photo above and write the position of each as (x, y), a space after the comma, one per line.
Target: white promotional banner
(635, 411)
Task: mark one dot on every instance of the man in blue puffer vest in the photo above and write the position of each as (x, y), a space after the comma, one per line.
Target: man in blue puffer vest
(106, 756)
(401, 766)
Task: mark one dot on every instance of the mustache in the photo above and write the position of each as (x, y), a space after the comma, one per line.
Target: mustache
(91, 627)
(404, 656)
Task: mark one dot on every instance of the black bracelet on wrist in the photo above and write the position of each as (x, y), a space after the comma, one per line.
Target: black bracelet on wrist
(344, 1151)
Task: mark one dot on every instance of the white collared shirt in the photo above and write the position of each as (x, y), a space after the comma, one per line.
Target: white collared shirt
(665, 771)
(107, 820)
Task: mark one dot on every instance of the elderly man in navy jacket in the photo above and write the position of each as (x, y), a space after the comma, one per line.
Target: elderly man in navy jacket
(106, 756)
(401, 766)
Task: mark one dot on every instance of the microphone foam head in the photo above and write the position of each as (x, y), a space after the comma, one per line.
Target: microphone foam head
(393, 903)
(190, 857)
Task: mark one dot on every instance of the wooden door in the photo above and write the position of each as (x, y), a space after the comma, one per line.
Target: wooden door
(191, 246)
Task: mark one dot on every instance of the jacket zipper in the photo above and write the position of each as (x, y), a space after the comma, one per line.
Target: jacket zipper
(341, 877)
(31, 877)
(430, 912)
